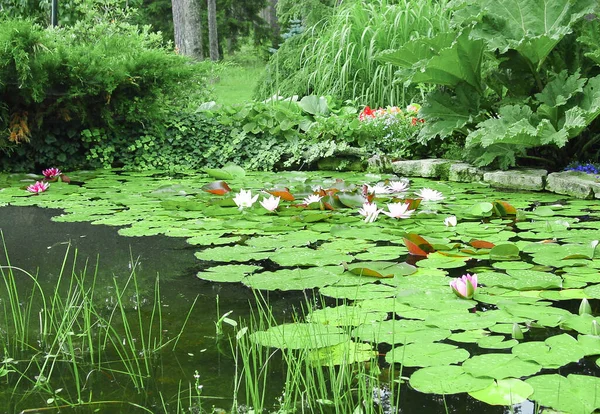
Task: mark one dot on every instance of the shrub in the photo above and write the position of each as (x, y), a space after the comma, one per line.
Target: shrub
(109, 78)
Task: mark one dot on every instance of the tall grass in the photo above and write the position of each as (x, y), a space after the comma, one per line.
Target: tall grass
(307, 384)
(56, 341)
(339, 58)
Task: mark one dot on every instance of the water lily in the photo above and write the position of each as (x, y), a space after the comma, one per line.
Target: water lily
(450, 221)
(370, 212)
(379, 188)
(398, 186)
(427, 194)
(313, 198)
(399, 210)
(270, 203)
(38, 187)
(465, 286)
(51, 173)
(244, 199)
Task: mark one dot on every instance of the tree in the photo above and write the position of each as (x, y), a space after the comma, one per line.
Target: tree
(188, 28)
(213, 37)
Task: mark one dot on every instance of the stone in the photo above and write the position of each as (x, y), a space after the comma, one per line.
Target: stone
(428, 168)
(573, 183)
(525, 179)
(464, 173)
(379, 164)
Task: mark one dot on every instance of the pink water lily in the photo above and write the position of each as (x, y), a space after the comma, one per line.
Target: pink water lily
(370, 212)
(51, 173)
(38, 187)
(270, 203)
(465, 286)
(244, 199)
(399, 210)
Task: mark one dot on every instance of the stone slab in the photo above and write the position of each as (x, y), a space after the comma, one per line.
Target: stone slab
(573, 183)
(427, 168)
(464, 173)
(525, 179)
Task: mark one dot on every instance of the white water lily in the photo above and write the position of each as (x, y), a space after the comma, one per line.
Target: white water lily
(428, 194)
(399, 210)
(313, 198)
(270, 203)
(450, 221)
(379, 188)
(398, 186)
(370, 212)
(244, 199)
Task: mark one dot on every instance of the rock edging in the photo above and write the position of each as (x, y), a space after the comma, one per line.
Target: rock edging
(572, 183)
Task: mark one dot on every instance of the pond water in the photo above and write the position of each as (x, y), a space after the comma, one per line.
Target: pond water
(202, 248)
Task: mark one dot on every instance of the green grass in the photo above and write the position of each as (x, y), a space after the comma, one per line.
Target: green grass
(236, 82)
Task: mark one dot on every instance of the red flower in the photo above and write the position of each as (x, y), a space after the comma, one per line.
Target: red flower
(366, 113)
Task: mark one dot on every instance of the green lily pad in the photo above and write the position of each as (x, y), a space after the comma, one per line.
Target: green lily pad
(447, 379)
(346, 315)
(345, 353)
(500, 366)
(426, 354)
(504, 392)
(496, 342)
(402, 331)
(554, 352)
(227, 273)
(573, 394)
(294, 279)
(300, 336)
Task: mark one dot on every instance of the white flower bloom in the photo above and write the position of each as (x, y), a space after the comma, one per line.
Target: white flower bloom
(270, 203)
(427, 194)
(450, 221)
(244, 199)
(398, 186)
(313, 198)
(370, 212)
(399, 210)
(379, 188)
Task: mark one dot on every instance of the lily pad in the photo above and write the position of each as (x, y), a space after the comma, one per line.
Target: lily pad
(300, 336)
(573, 394)
(426, 354)
(554, 352)
(345, 353)
(500, 366)
(504, 392)
(294, 279)
(447, 379)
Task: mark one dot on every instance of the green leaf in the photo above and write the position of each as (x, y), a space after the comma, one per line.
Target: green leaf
(500, 366)
(345, 353)
(299, 336)
(554, 352)
(426, 354)
(314, 105)
(573, 394)
(448, 379)
(504, 392)
(531, 27)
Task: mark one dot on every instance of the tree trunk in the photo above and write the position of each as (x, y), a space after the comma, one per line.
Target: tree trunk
(274, 23)
(188, 28)
(213, 39)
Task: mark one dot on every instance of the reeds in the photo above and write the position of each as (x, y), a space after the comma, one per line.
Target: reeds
(339, 57)
(56, 343)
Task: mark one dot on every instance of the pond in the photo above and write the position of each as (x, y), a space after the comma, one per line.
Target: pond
(369, 301)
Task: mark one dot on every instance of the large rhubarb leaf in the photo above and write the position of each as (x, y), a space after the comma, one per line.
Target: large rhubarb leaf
(531, 27)
(441, 60)
(444, 113)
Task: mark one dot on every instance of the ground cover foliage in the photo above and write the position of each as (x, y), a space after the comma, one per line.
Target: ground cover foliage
(536, 256)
